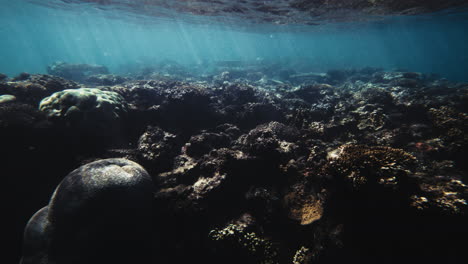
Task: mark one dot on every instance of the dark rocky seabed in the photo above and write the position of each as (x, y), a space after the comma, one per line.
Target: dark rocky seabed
(247, 165)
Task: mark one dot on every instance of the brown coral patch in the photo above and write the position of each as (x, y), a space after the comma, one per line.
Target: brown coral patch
(451, 123)
(305, 208)
(358, 164)
(442, 194)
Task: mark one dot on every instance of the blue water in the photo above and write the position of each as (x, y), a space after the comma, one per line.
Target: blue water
(33, 37)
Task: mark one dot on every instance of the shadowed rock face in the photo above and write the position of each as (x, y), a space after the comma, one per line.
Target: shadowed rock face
(99, 213)
(31, 89)
(280, 11)
(35, 238)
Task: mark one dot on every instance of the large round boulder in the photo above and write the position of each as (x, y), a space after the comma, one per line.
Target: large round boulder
(36, 239)
(100, 213)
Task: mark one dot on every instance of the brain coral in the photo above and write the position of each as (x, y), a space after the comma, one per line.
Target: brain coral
(81, 102)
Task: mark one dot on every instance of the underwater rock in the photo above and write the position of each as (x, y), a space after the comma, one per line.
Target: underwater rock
(156, 149)
(100, 212)
(232, 74)
(215, 182)
(36, 87)
(21, 77)
(254, 76)
(224, 76)
(144, 95)
(406, 82)
(238, 94)
(3, 77)
(228, 129)
(270, 140)
(254, 114)
(104, 79)
(188, 108)
(26, 136)
(36, 238)
(451, 126)
(171, 67)
(304, 208)
(374, 95)
(450, 123)
(170, 104)
(24, 131)
(338, 76)
(84, 107)
(219, 177)
(300, 78)
(370, 119)
(176, 181)
(75, 72)
(206, 186)
(250, 247)
(164, 70)
(441, 194)
(5, 98)
(313, 93)
(362, 165)
(199, 145)
(16, 116)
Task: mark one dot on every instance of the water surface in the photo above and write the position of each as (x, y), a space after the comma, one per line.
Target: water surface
(115, 33)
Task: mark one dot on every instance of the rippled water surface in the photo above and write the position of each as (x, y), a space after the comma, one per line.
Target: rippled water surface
(425, 36)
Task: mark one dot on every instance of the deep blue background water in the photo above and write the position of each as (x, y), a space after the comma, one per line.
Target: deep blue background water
(33, 37)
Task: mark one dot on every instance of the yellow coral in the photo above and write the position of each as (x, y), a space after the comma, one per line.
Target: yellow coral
(302, 207)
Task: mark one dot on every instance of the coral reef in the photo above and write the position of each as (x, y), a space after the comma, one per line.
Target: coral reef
(304, 208)
(360, 165)
(302, 256)
(265, 165)
(448, 195)
(70, 103)
(33, 88)
(261, 249)
(156, 149)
